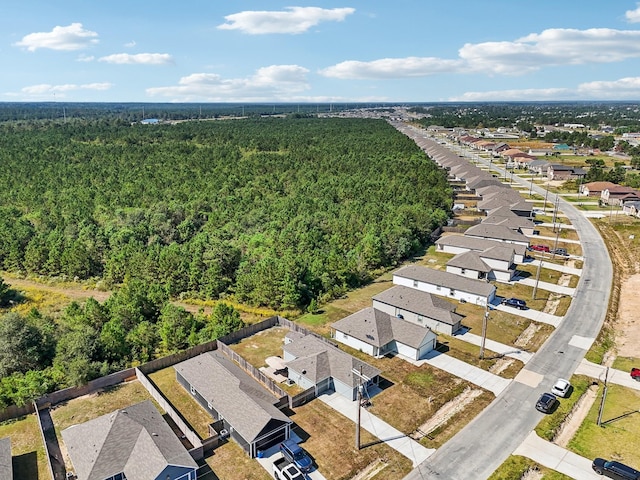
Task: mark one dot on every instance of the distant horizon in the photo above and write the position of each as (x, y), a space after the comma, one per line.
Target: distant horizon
(347, 52)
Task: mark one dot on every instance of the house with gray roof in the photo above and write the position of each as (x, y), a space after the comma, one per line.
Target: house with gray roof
(495, 263)
(418, 307)
(504, 215)
(229, 394)
(313, 362)
(456, 244)
(445, 284)
(133, 443)
(6, 462)
(378, 333)
(470, 265)
(500, 233)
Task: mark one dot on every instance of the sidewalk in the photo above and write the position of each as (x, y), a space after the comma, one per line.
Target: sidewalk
(565, 226)
(501, 348)
(531, 314)
(555, 266)
(379, 429)
(618, 377)
(550, 287)
(470, 373)
(555, 457)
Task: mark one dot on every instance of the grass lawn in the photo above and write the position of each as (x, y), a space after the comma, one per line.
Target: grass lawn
(550, 424)
(562, 233)
(230, 462)
(525, 293)
(196, 416)
(256, 348)
(626, 363)
(515, 467)
(330, 440)
(546, 274)
(27, 449)
(619, 436)
(503, 327)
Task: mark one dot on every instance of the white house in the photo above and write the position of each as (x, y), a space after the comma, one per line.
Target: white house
(377, 333)
(500, 233)
(445, 284)
(456, 244)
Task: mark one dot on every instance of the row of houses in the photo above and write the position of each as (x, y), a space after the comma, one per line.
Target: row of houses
(610, 193)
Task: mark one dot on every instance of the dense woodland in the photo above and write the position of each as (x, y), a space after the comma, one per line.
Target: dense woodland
(280, 212)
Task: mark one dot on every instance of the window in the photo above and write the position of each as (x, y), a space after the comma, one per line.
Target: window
(452, 291)
(463, 271)
(209, 406)
(193, 390)
(437, 287)
(415, 284)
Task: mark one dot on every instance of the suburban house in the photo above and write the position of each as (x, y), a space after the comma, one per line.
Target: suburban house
(470, 265)
(618, 195)
(495, 263)
(131, 443)
(422, 308)
(456, 244)
(564, 172)
(506, 217)
(445, 284)
(539, 167)
(500, 233)
(6, 463)
(247, 410)
(595, 189)
(378, 333)
(481, 181)
(313, 362)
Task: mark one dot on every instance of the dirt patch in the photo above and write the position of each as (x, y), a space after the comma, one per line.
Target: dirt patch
(628, 324)
(532, 474)
(525, 337)
(501, 365)
(371, 471)
(575, 418)
(447, 411)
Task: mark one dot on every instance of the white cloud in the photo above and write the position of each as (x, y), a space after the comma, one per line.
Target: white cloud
(392, 68)
(46, 89)
(138, 59)
(633, 16)
(276, 81)
(85, 58)
(72, 37)
(551, 47)
(621, 89)
(292, 20)
(130, 44)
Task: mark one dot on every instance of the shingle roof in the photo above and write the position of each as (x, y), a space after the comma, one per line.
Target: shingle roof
(477, 244)
(498, 232)
(499, 252)
(419, 302)
(470, 260)
(365, 325)
(134, 440)
(242, 401)
(446, 279)
(315, 353)
(6, 463)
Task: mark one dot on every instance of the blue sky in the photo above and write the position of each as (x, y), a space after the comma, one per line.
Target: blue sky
(346, 51)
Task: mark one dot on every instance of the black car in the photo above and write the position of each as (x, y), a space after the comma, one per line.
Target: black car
(614, 469)
(546, 403)
(515, 303)
(561, 251)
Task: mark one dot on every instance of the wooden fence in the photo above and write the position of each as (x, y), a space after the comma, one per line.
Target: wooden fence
(302, 398)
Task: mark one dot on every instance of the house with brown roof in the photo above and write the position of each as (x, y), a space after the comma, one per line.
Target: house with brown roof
(313, 362)
(564, 172)
(618, 195)
(595, 189)
(134, 443)
(246, 409)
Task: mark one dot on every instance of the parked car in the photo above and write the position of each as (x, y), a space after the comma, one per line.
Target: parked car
(285, 470)
(561, 388)
(561, 251)
(635, 374)
(546, 403)
(297, 455)
(615, 470)
(539, 248)
(515, 303)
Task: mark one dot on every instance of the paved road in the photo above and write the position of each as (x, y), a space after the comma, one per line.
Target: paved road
(488, 440)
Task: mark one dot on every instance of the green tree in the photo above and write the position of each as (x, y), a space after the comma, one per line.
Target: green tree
(174, 327)
(223, 320)
(22, 346)
(4, 292)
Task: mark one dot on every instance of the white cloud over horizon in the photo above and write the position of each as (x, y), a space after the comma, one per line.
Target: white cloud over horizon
(47, 89)
(69, 38)
(633, 16)
(292, 20)
(268, 82)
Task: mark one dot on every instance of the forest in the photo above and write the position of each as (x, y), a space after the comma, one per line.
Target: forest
(277, 212)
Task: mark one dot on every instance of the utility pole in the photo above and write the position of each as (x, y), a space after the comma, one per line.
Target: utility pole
(531, 185)
(555, 212)
(484, 330)
(546, 193)
(604, 396)
(555, 245)
(360, 376)
(535, 287)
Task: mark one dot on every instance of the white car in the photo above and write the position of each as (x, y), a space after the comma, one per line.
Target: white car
(561, 388)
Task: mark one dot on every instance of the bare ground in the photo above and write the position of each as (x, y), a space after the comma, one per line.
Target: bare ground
(628, 323)
(573, 421)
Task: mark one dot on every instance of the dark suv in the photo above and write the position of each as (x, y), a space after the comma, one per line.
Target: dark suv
(296, 455)
(546, 403)
(616, 470)
(515, 303)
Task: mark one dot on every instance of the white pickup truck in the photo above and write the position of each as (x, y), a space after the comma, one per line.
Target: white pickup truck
(285, 470)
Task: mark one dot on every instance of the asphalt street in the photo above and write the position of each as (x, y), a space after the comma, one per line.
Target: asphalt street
(488, 440)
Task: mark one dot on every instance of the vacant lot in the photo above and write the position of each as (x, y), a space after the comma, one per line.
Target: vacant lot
(27, 449)
(230, 462)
